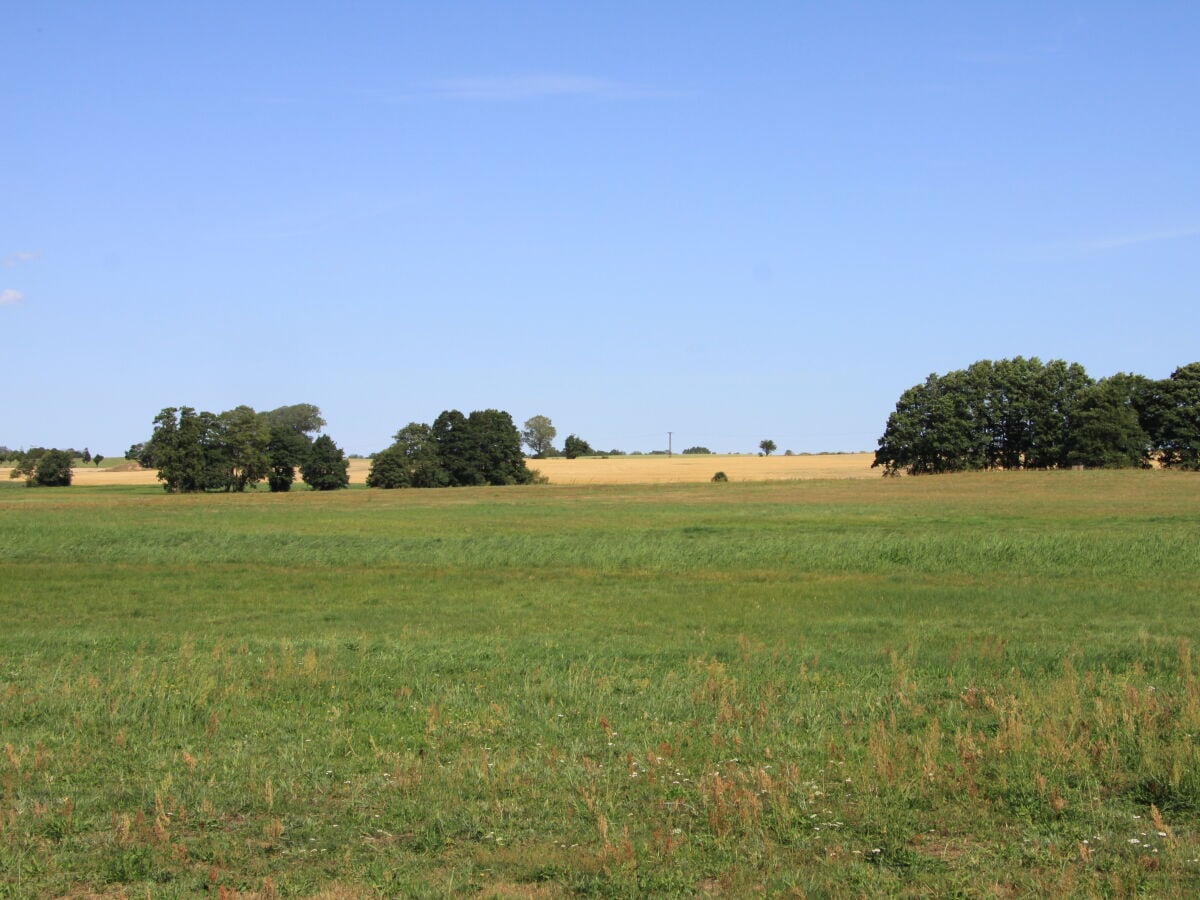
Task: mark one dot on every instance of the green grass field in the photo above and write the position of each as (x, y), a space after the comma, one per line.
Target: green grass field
(975, 685)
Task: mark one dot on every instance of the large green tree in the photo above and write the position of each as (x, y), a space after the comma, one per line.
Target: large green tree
(300, 418)
(938, 426)
(411, 461)
(244, 441)
(186, 449)
(1172, 413)
(1106, 432)
(575, 446)
(326, 468)
(287, 450)
(538, 435)
(482, 448)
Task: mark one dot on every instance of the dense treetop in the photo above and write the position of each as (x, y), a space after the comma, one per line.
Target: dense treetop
(1022, 413)
(233, 450)
(456, 451)
(41, 467)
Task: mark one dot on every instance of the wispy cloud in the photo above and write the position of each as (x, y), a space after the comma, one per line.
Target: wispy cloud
(508, 88)
(10, 297)
(1080, 247)
(1129, 240)
(21, 256)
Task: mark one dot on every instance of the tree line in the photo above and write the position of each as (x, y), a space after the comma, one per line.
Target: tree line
(235, 450)
(1025, 414)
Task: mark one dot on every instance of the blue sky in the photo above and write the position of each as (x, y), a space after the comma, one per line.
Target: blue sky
(728, 221)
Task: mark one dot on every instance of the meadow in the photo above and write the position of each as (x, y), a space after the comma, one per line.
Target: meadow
(972, 685)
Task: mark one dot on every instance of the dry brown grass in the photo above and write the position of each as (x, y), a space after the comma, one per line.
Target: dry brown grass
(678, 469)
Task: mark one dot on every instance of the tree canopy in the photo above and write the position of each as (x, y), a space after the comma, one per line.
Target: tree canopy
(229, 451)
(411, 461)
(300, 418)
(44, 468)
(538, 435)
(456, 451)
(1023, 413)
(325, 468)
(575, 446)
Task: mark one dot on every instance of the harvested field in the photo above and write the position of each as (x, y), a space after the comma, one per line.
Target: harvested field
(678, 469)
(695, 468)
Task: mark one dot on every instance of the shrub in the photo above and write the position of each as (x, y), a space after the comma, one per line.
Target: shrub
(720, 476)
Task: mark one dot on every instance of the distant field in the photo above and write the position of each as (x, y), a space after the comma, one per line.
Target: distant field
(975, 685)
(697, 468)
(612, 470)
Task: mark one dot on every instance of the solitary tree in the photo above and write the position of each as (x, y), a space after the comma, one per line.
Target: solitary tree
(767, 446)
(97, 459)
(538, 435)
(326, 468)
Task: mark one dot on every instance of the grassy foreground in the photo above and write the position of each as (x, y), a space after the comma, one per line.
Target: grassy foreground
(980, 684)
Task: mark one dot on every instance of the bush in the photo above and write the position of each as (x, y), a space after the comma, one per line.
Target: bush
(720, 476)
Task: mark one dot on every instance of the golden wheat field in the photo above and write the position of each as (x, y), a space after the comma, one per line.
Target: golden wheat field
(693, 468)
(607, 470)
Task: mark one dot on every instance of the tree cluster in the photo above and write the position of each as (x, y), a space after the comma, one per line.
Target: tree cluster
(233, 450)
(1025, 414)
(456, 451)
(42, 467)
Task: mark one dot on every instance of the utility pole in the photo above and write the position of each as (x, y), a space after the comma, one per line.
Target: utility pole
(669, 434)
